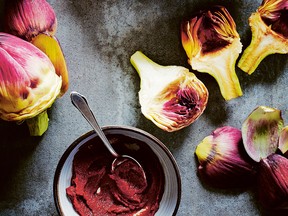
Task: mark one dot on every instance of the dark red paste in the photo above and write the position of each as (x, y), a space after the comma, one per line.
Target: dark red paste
(96, 190)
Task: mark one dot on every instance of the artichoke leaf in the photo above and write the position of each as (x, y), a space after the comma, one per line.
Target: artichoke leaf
(38, 124)
(51, 47)
(260, 132)
(283, 140)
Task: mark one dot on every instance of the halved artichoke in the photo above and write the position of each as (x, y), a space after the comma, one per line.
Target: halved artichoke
(26, 19)
(212, 45)
(170, 96)
(269, 28)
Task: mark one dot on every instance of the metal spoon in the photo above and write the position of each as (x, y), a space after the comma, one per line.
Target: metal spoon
(80, 102)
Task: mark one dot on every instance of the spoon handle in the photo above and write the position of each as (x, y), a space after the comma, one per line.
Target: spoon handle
(80, 102)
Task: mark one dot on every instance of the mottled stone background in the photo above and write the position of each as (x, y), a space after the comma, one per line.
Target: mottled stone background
(98, 38)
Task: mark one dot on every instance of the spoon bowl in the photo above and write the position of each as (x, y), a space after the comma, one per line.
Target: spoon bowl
(122, 163)
(130, 179)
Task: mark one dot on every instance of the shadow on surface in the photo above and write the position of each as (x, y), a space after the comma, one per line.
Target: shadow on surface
(16, 146)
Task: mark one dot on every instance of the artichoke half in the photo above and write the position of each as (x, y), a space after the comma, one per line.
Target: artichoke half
(28, 83)
(213, 45)
(269, 34)
(170, 96)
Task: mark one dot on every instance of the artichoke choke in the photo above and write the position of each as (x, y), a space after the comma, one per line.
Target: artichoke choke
(170, 96)
(269, 34)
(213, 45)
(28, 83)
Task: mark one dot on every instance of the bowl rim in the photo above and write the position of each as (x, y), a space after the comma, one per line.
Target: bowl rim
(115, 127)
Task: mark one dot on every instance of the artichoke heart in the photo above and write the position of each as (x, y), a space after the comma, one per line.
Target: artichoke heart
(269, 29)
(213, 45)
(170, 96)
(222, 159)
(28, 82)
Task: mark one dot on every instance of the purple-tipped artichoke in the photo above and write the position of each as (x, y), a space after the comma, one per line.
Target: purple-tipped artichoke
(222, 159)
(273, 182)
(35, 21)
(28, 83)
(28, 18)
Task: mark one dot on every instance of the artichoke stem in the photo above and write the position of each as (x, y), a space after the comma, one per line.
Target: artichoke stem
(255, 53)
(229, 85)
(38, 124)
(144, 66)
(226, 77)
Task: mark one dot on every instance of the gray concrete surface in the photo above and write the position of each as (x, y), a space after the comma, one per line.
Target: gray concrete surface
(98, 38)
